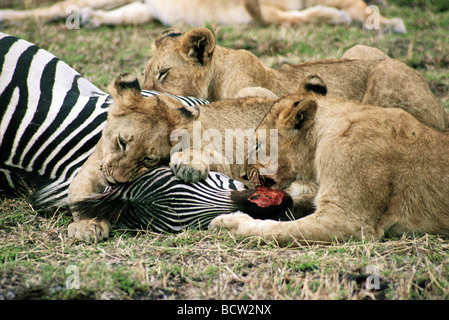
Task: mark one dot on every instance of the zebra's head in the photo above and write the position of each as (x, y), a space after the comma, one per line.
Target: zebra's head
(136, 136)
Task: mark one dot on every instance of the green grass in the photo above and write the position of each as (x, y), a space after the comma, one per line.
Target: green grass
(35, 251)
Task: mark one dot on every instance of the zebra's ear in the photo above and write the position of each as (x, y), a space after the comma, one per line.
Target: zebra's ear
(198, 45)
(125, 91)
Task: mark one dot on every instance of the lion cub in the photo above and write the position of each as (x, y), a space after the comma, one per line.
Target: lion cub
(379, 171)
(125, 150)
(191, 64)
(142, 132)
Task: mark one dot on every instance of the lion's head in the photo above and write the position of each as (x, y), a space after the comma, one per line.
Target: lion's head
(180, 63)
(293, 116)
(137, 132)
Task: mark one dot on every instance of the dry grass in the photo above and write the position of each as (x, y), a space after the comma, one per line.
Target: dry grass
(35, 251)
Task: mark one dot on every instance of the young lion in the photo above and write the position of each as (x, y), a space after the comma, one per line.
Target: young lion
(379, 171)
(192, 64)
(199, 12)
(142, 132)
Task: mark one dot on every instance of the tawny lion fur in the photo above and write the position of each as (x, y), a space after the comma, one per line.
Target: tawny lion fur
(379, 171)
(191, 64)
(199, 12)
(142, 132)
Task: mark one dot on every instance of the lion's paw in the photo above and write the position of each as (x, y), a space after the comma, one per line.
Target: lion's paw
(232, 222)
(189, 172)
(89, 229)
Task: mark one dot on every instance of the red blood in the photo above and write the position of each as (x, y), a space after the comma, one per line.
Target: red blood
(266, 197)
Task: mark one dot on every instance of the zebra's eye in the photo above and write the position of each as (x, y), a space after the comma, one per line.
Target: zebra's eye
(162, 74)
(151, 160)
(121, 144)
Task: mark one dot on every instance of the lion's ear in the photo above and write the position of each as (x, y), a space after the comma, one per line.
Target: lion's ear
(125, 91)
(198, 45)
(307, 112)
(295, 115)
(189, 112)
(126, 83)
(314, 83)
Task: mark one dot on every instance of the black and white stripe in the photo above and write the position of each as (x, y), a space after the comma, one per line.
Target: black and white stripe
(50, 120)
(159, 201)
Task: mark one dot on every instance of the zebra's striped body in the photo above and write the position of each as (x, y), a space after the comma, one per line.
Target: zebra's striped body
(50, 121)
(159, 201)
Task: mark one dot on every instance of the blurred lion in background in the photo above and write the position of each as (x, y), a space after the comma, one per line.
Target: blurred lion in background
(198, 12)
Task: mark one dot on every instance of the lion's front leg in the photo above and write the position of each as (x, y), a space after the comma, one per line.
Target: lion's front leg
(323, 226)
(133, 13)
(302, 231)
(315, 14)
(85, 184)
(241, 224)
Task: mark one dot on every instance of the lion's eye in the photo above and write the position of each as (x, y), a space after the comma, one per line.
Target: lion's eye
(151, 160)
(121, 143)
(162, 74)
